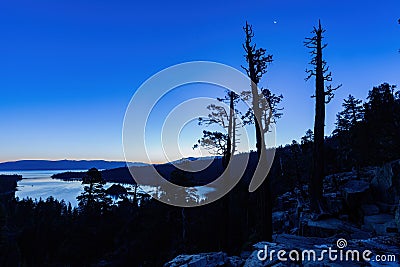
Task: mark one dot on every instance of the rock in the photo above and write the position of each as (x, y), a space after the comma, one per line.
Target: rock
(386, 208)
(254, 261)
(368, 173)
(334, 181)
(332, 226)
(369, 209)
(289, 243)
(356, 193)
(382, 245)
(234, 261)
(286, 201)
(380, 223)
(279, 218)
(397, 216)
(212, 259)
(385, 184)
(379, 245)
(380, 218)
(334, 203)
(361, 235)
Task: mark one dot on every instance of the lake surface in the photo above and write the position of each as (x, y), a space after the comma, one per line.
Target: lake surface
(39, 184)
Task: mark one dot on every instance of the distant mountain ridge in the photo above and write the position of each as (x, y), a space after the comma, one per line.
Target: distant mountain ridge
(25, 165)
(204, 176)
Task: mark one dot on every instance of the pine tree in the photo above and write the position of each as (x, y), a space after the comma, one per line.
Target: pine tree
(382, 123)
(218, 142)
(93, 198)
(225, 145)
(347, 133)
(264, 111)
(351, 114)
(308, 138)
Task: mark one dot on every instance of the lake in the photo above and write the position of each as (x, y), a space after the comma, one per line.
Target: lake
(39, 184)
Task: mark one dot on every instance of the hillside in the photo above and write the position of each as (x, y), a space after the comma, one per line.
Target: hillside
(24, 165)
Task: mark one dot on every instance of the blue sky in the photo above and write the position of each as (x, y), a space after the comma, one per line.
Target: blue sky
(69, 68)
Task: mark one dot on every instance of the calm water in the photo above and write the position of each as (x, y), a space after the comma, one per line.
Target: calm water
(39, 184)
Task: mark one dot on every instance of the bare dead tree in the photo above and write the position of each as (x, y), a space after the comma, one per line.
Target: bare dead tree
(323, 95)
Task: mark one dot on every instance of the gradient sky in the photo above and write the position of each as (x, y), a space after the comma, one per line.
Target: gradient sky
(69, 68)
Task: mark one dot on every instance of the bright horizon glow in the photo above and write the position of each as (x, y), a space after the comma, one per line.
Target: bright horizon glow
(69, 68)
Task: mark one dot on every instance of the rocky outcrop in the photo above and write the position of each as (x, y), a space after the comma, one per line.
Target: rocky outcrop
(385, 184)
(334, 203)
(369, 198)
(212, 259)
(280, 221)
(369, 209)
(355, 193)
(380, 224)
(397, 216)
(260, 256)
(363, 206)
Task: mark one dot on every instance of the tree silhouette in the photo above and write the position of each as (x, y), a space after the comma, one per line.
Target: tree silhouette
(218, 142)
(257, 66)
(367, 134)
(308, 138)
(382, 123)
(232, 98)
(225, 145)
(213, 141)
(323, 95)
(181, 178)
(264, 111)
(348, 132)
(352, 113)
(93, 198)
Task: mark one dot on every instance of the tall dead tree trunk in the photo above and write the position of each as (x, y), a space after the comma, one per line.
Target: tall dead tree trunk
(319, 124)
(323, 95)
